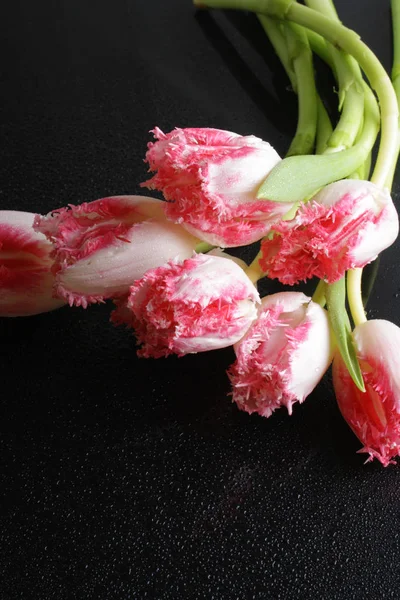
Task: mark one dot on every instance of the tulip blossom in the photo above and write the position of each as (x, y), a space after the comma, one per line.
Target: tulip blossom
(345, 226)
(101, 247)
(210, 178)
(203, 303)
(283, 355)
(373, 415)
(26, 282)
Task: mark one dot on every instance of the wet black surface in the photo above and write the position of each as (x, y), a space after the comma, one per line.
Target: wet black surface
(127, 479)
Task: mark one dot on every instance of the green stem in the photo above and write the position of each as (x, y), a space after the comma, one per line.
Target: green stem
(273, 29)
(351, 97)
(254, 271)
(326, 7)
(298, 177)
(324, 125)
(363, 170)
(203, 248)
(395, 4)
(354, 296)
(359, 173)
(357, 299)
(319, 47)
(350, 42)
(324, 128)
(351, 94)
(300, 56)
(319, 294)
(351, 90)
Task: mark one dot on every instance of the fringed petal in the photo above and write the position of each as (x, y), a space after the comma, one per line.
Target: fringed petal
(343, 227)
(203, 303)
(282, 356)
(374, 416)
(210, 178)
(102, 247)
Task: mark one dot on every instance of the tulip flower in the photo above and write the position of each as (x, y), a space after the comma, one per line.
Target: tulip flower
(283, 355)
(101, 247)
(345, 226)
(26, 282)
(203, 303)
(374, 416)
(210, 178)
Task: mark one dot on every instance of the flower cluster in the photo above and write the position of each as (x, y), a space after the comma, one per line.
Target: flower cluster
(141, 253)
(163, 262)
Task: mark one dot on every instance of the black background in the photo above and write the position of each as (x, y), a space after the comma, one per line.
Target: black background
(127, 479)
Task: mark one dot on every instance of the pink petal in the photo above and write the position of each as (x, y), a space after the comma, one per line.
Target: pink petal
(102, 247)
(283, 355)
(374, 416)
(203, 303)
(26, 282)
(211, 178)
(343, 227)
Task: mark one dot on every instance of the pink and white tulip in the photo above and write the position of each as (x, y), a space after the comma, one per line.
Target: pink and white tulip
(283, 355)
(101, 247)
(346, 225)
(210, 178)
(26, 281)
(374, 416)
(203, 303)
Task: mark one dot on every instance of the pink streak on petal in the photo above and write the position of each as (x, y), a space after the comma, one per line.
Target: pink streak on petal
(325, 240)
(282, 356)
(101, 247)
(25, 278)
(374, 416)
(210, 178)
(204, 303)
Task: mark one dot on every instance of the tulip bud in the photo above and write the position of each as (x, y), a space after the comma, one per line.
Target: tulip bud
(203, 303)
(283, 355)
(26, 282)
(101, 247)
(211, 178)
(345, 226)
(373, 415)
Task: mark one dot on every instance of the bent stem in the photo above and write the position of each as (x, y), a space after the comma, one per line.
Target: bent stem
(354, 277)
(395, 4)
(292, 48)
(319, 47)
(296, 178)
(272, 28)
(351, 93)
(300, 56)
(324, 128)
(347, 40)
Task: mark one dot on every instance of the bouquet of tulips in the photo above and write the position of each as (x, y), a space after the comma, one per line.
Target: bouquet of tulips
(315, 214)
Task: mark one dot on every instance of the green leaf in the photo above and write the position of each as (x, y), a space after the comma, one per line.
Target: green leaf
(340, 323)
(297, 178)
